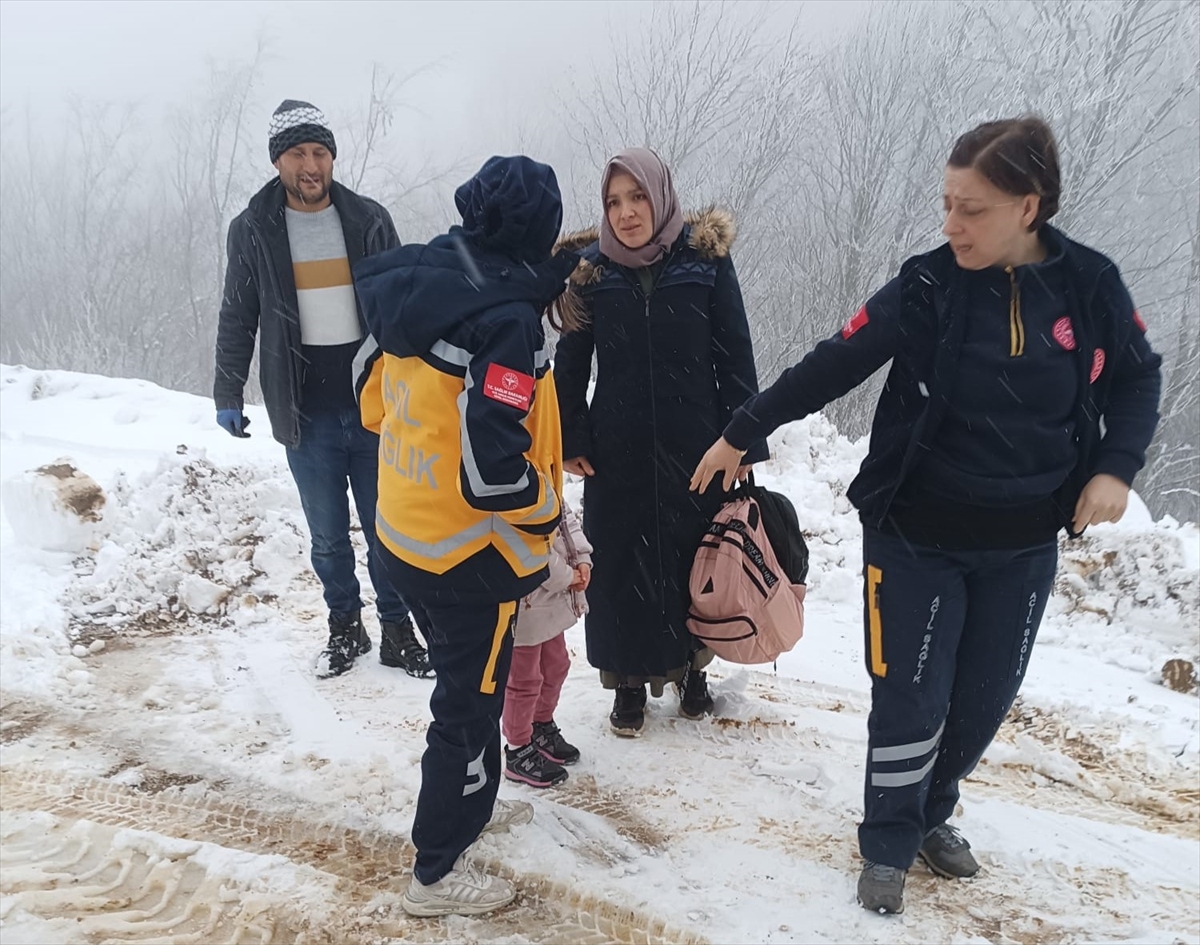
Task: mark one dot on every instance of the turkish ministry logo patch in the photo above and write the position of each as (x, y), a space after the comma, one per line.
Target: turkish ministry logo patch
(508, 386)
(1064, 333)
(1097, 365)
(860, 318)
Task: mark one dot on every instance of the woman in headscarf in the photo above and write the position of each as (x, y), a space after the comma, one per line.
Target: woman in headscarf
(662, 312)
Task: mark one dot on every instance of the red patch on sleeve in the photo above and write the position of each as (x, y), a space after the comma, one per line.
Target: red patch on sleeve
(855, 323)
(1064, 333)
(1137, 320)
(1097, 365)
(508, 386)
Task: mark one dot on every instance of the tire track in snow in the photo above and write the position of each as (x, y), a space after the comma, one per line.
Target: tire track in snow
(110, 885)
(366, 862)
(582, 793)
(1057, 766)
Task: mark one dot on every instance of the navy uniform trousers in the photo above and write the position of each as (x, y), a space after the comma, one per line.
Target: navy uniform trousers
(948, 640)
(470, 649)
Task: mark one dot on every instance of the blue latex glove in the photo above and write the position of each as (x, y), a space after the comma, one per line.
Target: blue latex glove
(234, 422)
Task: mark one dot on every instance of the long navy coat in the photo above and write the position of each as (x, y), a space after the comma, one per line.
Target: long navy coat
(671, 369)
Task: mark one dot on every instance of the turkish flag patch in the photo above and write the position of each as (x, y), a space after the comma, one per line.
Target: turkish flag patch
(1097, 365)
(1137, 320)
(508, 386)
(1064, 333)
(855, 323)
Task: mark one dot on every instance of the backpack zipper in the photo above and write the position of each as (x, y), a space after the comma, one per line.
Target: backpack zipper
(1016, 327)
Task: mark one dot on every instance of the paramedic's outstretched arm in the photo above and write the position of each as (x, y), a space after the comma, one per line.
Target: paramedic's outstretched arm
(833, 368)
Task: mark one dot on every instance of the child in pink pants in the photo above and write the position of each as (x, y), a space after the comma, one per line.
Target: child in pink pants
(536, 750)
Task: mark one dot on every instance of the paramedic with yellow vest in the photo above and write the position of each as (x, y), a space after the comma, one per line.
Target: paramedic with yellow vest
(470, 470)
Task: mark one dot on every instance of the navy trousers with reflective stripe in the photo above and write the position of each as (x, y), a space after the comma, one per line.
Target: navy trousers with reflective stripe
(948, 640)
(470, 648)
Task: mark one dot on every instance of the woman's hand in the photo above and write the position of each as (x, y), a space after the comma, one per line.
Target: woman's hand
(578, 466)
(583, 577)
(720, 458)
(1103, 499)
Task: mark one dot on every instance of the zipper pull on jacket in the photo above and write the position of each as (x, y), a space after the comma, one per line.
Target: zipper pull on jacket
(1016, 327)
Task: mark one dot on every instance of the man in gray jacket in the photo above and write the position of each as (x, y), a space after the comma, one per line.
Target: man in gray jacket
(288, 280)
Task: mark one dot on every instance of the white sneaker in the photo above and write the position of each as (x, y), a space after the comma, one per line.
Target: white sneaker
(508, 814)
(465, 890)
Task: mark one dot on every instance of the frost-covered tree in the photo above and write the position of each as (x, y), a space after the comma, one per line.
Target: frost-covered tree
(848, 165)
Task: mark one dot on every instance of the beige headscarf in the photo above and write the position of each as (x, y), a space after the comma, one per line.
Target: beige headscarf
(654, 177)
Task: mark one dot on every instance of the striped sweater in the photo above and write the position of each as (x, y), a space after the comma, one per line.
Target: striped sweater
(330, 331)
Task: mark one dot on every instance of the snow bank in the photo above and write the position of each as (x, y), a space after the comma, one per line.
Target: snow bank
(1128, 594)
(190, 539)
(201, 571)
(55, 507)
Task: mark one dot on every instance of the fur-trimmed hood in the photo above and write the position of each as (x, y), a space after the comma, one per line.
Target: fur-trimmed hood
(710, 233)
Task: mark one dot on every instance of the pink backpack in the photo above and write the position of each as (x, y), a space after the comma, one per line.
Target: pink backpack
(746, 607)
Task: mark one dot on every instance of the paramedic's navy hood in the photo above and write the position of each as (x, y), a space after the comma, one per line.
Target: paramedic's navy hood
(414, 295)
(512, 206)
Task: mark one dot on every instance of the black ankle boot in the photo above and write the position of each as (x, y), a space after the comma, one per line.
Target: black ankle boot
(629, 711)
(398, 646)
(694, 699)
(347, 640)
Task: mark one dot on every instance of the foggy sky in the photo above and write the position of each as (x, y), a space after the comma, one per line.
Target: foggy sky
(486, 66)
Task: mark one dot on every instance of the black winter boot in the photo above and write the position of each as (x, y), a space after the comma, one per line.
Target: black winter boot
(398, 646)
(694, 699)
(629, 711)
(347, 640)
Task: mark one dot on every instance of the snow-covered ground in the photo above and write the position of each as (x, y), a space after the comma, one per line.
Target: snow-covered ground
(172, 771)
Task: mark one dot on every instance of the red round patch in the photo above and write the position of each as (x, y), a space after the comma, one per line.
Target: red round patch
(1097, 365)
(1064, 333)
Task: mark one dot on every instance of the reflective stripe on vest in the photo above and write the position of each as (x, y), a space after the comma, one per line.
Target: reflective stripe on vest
(494, 525)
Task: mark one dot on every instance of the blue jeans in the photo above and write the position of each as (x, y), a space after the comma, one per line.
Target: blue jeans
(334, 447)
